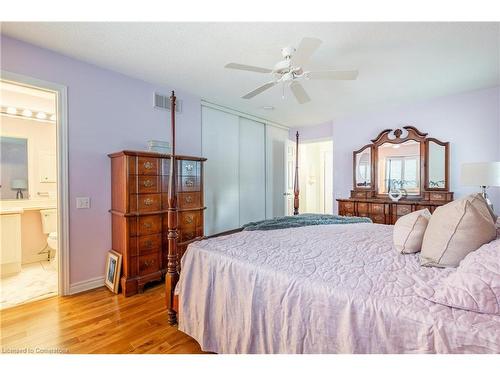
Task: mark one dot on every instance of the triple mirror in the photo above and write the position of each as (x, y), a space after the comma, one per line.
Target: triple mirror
(404, 160)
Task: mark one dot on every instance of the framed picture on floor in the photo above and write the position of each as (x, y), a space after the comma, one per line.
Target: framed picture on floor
(113, 270)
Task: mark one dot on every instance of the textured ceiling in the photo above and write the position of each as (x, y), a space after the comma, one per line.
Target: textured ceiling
(398, 62)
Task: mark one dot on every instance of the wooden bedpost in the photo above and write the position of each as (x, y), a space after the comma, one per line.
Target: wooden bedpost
(172, 275)
(296, 181)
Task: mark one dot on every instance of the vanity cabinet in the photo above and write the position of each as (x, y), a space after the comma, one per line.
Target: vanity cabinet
(139, 183)
(402, 161)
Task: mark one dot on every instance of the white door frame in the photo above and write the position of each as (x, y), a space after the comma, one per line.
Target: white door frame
(62, 170)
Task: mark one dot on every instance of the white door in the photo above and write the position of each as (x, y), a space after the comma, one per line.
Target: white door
(252, 170)
(220, 145)
(276, 185)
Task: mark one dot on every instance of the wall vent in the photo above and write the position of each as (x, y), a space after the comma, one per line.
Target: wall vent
(163, 102)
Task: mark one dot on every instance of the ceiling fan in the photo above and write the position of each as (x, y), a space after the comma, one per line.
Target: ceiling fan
(290, 70)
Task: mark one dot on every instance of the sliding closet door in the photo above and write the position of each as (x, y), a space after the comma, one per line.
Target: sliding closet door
(276, 140)
(220, 145)
(252, 167)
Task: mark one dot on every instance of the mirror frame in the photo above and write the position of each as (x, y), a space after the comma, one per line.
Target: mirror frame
(446, 146)
(371, 187)
(395, 136)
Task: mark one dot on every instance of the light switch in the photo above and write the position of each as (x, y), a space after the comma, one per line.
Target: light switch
(82, 202)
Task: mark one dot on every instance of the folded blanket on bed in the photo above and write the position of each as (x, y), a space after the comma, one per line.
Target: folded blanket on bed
(302, 221)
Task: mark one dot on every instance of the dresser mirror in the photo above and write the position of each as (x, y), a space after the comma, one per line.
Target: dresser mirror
(399, 172)
(398, 167)
(363, 168)
(437, 160)
(403, 160)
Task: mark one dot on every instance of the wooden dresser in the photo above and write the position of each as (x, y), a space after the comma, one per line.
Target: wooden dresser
(403, 160)
(139, 185)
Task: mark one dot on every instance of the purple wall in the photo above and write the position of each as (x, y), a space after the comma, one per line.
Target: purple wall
(107, 112)
(469, 121)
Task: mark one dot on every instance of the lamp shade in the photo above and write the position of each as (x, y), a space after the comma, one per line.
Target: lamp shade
(19, 184)
(481, 174)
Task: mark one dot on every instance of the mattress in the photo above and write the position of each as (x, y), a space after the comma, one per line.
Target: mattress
(320, 289)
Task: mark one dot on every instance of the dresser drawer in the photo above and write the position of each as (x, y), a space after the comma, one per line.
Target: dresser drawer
(190, 219)
(377, 208)
(145, 202)
(359, 194)
(346, 206)
(188, 183)
(188, 168)
(437, 196)
(362, 208)
(403, 209)
(148, 166)
(145, 225)
(148, 263)
(379, 219)
(189, 200)
(145, 244)
(190, 233)
(144, 184)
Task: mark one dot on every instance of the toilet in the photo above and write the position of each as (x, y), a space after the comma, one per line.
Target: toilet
(49, 227)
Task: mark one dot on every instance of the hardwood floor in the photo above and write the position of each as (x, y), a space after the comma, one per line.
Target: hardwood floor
(95, 322)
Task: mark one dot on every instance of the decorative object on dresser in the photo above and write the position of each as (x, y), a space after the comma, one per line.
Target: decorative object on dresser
(484, 175)
(401, 171)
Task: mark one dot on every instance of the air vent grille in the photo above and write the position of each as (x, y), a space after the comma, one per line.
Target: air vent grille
(163, 102)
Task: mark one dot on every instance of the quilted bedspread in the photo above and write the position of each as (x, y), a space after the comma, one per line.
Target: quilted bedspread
(320, 289)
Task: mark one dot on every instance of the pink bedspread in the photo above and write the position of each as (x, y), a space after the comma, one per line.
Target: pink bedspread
(320, 289)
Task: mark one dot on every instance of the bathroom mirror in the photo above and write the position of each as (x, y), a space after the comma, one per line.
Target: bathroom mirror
(14, 168)
(398, 167)
(363, 168)
(437, 160)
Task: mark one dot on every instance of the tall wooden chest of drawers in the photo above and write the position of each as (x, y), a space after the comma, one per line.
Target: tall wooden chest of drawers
(139, 186)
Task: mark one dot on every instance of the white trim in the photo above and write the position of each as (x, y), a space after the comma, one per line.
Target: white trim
(242, 114)
(82, 286)
(62, 170)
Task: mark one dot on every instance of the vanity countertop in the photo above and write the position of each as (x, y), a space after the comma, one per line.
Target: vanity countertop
(20, 205)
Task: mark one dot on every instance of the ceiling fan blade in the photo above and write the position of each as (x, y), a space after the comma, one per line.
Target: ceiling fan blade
(249, 68)
(333, 74)
(259, 89)
(305, 50)
(299, 93)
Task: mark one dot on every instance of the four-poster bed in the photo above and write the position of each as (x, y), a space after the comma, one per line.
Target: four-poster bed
(173, 258)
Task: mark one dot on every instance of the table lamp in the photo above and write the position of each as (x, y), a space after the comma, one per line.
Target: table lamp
(481, 174)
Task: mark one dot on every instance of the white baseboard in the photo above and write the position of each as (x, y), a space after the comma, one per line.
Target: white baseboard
(84, 285)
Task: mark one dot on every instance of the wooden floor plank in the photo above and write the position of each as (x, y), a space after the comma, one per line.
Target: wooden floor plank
(96, 321)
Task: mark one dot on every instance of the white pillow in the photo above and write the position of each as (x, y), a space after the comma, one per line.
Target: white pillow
(409, 231)
(455, 230)
(474, 286)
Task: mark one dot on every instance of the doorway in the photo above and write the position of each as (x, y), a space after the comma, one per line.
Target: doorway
(33, 190)
(316, 176)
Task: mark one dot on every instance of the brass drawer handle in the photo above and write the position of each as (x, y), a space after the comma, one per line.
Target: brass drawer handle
(148, 165)
(188, 199)
(148, 183)
(189, 182)
(147, 225)
(189, 219)
(148, 263)
(148, 244)
(148, 202)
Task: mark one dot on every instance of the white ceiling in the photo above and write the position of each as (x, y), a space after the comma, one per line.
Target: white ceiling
(398, 62)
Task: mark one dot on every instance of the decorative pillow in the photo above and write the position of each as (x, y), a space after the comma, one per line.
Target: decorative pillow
(409, 231)
(474, 286)
(456, 229)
